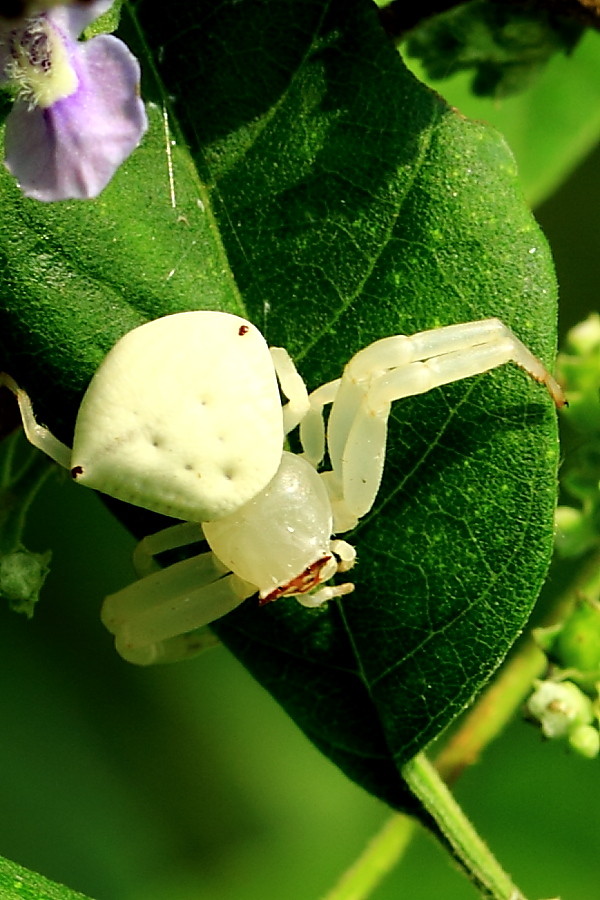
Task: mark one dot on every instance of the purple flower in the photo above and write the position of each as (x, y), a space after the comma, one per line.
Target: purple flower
(77, 114)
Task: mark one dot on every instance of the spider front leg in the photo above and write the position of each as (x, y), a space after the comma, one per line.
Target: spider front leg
(398, 367)
(152, 618)
(37, 434)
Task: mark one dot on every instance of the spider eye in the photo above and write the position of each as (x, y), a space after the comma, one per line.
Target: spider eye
(76, 471)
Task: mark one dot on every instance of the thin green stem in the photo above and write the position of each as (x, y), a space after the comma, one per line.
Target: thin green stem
(7, 455)
(19, 488)
(470, 851)
(380, 855)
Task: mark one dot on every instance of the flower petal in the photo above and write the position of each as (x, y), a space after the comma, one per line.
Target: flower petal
(71, 149)
(73, 18)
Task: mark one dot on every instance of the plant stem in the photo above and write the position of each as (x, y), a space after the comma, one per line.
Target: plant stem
(468, 848)
(18, 487)
(483, 724)
(379, 856)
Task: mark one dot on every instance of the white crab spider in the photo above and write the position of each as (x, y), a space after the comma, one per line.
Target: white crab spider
(184, 417)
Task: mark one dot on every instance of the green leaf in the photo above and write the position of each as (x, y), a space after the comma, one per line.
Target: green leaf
(17, 883)
(106, 23)
(343, 202)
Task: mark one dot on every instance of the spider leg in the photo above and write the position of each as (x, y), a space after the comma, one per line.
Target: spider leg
(312, 426)
(37, 434)
(456, 352)
(292, 386)
(477, 347)
(402, 366)
(175, 649)
(149, 617)
(167, 539)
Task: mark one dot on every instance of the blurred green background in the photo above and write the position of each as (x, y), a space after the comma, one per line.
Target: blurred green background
(189, 782)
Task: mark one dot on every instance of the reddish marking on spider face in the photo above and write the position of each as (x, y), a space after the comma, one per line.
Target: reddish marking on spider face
(244, 329)
(308, 579)
(76, 470)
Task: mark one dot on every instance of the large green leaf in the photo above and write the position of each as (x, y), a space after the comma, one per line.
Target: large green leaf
(315, 178)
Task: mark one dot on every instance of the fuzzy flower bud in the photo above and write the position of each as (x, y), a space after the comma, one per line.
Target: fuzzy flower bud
(559, 707)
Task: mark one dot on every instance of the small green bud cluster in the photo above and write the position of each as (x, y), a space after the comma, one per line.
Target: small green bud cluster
(22, 572)
(578, 525)
(567, 703)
